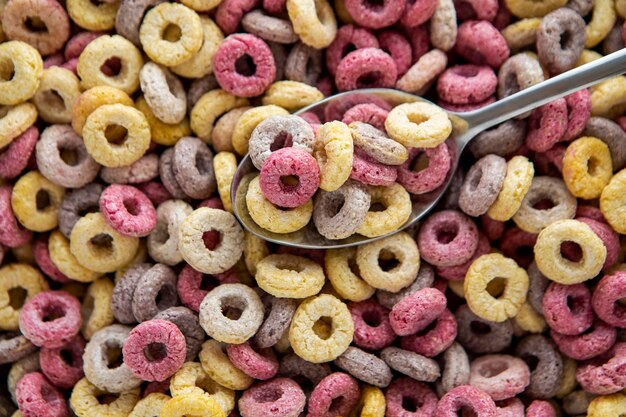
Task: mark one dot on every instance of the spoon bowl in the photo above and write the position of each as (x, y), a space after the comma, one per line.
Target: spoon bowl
(465, 126)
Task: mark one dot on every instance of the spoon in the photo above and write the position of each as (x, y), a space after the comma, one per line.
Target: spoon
(465, 126)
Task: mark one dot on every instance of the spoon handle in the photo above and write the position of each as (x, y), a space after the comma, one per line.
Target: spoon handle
(539, 94)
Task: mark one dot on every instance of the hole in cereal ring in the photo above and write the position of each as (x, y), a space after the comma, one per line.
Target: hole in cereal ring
(35, 24)
(203, 164)
(410, 404)
(543, 204)
(428, 329)
(354, 267)
(335, 405)
(54, 100)
(112, 67)
(323, 327)
(377, 206)
(69, 156)
(475, 178)
(208, 282)
(417, 118)
(350, 47)
(466, 411)
(67, 357)
(621, 301)
(172, 33)
(232, 307)
(593, 166)
(496, 287)
(207, 385)
(387, 261)
(155, 352)
(371, 318)
(48, 393)
(86, 210)
(7, 70)
(479, 327)
(245, 65)
(531, 360)
(368, 79)
(493, 368)
(130, 204)
(42, 199)
(571, 251)
(17, 296)
(212, 239)
(281, 140)
(106, 398)
(419, 162)
(52, 312)
(270, 395)
(161, 233)
(575, 304)
(290, 181)
(468, 71)
(524, 254)
(112, 352)
(115, 134)
(286, 263)
(445, 232)
(102, 242)
(566, 40)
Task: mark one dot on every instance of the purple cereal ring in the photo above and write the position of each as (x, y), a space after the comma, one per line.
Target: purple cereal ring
(589, 212)
(518, 245)
(493, 229)
(546, 125)
(193, 285)
(406, 397)
(280, 397)
(608, 237)
(128, 210)
(54, 60)
(480, 335)
(372, 329)
(155, 191)
(249, 82)
(513, 407)
(368, 171)
(465, 84)
(274, 6)
(466, 397)
(606, 296)
(605, 374)
(77, 43)
(259, 364)
(550, 162)
(12, 234)
(14, 158)
(396, 45)
(418, 12)
(599, 339)
(72, 65)
(213, 202)
(476, 9)
(447, 238)
(567, 308)
(230, 12)
(375, 16)
(433, 340)
(50, 319)
(366, 68)
(480, 43)
(154, 350)
(63, 366)
(339, 391)
(578, 113)
(349, 38)
(416, 311)
(338, 107)
(429, 178)
(366, 113)
(42, 258)
(285, 162)
(457, 272)
(500, 376)
(36, 397)
(420, 42)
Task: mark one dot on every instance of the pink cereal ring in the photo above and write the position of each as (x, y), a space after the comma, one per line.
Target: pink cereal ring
(416, 311)
(230, 12)
(54, 60)
(546, 125)
(128, 210)
(154, 350)
(550, 162)
(366, 68)
(368, 171)
(396, 45)
(476, 9)
(62, 372)
(457, 272)
(259, 364)
(42, 258)
(420, 42)
(230, 51)
(375, 16)
(567, 308)
(429, 178)
(50, 319)
(14, 158)
(339, 390)
(72, 65)
(579, 111)
(480, 43)
(274, 6)
(605, 300)
(463, 84)
(285, 162)
(540, 408)
(12, 234)
(604, 374)
(405, 394)
(213, 202)
(608, 237)
(36, 397)
(595, 341)
(280, 397)
(338, 107)
(493, 229)
(193, 286)
(447, 238)
(372, 329)
(78, 43)
(348, 39)
(467, 397)
(589, 212)
(418, 12)
(462, 108)
(431, 342)
(366, 113)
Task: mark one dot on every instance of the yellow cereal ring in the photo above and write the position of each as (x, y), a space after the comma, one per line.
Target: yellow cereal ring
(96, 307)
(201, 63)
(99, 16)
(18, 284)
(533, 8)
(522, 33)
(313, 21)
(519, 177)
(342, 12)
(372, 403)
(609, 98)
(58, 90)
(192, 405)
(310, 345)
(485, 269)
(93, 98)
(613, 202)
(587, 167)
(96, 54)
(248, 121)
(201, 5)
(3, 4)
(150, 406)
(225, 165)
(99, 247)
(291, 95)
(24, 254)
(397, 202)
(21, 68)
(191, 379)
(162, 133)
(418, 124)
(15, 120)
(35, 201)
(586, 57)
(607, 405)
(254, 249)
(338, 264)
(220, 369)
(135, 144)
(209, 108)
(272, 218)
(152, 34)
(85, 401)
(560, 269)
(529, 320)
(620, 8)
(289, 276)
(62, 258)
(602, 21)
(568, 380)
(334, 151)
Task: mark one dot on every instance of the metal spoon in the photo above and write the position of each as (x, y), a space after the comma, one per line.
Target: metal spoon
(465, 127)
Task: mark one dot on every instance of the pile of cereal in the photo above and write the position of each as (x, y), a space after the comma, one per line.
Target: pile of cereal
(129, 289)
